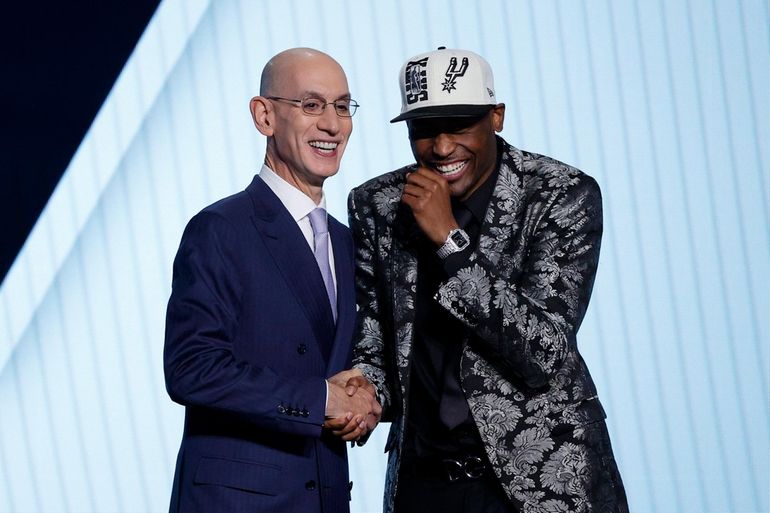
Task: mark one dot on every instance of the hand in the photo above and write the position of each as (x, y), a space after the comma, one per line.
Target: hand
(349, 427)
(352, 426)
(354, 379)
(427, 194)
(352, 386)
(342, 377)
(346, 414)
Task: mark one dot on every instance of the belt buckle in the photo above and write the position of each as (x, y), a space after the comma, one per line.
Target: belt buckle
(471, 467)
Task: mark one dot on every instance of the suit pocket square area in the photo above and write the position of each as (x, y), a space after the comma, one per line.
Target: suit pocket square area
(243, 475)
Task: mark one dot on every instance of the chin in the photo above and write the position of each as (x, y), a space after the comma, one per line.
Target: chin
(326, 172)
(323, 168)
(458, 190)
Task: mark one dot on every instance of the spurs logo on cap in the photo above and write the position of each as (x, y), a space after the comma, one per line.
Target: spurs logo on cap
(416, 81)
(452, 74)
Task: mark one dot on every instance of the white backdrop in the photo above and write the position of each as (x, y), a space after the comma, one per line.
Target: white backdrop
(664, 103)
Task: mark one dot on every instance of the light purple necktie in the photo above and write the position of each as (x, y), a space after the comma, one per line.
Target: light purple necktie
(321, 238)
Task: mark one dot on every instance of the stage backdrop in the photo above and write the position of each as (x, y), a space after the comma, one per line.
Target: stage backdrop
(664, 103)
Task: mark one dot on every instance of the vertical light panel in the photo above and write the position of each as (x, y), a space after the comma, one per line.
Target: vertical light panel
(666, 104)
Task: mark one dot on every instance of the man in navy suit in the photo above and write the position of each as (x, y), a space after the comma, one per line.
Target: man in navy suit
(261, 315)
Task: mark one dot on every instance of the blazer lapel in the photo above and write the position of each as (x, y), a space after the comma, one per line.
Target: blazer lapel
(294, 259)
(403, 272)
(502, 219)
(342, 247)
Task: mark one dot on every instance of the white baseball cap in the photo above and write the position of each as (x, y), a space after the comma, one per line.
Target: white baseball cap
(445, 83)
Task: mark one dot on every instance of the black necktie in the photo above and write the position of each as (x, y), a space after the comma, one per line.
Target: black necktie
(453, 407)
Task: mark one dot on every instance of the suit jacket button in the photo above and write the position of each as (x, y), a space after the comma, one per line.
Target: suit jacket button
(304, 412)
(302, 349)
(281, 409)
(310, 485)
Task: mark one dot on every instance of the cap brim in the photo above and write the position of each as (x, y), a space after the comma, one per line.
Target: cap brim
(444, 111)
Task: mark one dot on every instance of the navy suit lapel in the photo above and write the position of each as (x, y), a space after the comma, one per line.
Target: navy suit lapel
(342, 244)
(294, 259)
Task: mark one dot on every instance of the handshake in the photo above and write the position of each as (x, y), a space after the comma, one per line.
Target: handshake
(352, 409)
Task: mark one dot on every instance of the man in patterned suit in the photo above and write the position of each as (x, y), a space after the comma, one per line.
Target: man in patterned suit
(474, 268)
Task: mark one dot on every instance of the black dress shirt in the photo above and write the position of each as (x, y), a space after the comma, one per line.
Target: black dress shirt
(438, 343)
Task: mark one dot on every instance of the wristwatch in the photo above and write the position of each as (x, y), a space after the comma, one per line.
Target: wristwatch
(457, 240)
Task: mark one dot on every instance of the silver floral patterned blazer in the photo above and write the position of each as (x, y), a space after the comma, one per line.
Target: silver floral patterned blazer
(523, 294)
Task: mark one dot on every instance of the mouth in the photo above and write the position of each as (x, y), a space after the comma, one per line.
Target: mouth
(451, 170)
(326, 148)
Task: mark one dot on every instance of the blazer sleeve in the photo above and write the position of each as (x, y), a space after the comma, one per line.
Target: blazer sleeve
(369, 352)
(200, 367)
(530, 320)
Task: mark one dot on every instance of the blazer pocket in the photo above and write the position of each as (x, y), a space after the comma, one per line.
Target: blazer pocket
(586, 412)
(238, 474)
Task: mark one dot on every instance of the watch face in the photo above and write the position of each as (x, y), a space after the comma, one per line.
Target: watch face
(460, 239)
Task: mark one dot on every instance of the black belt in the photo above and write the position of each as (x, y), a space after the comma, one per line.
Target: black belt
(449, 469)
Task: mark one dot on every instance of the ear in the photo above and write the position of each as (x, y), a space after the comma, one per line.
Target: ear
(498, 116)
(263, 115)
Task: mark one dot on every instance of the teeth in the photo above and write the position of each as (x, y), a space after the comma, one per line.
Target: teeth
(450, 168)
(323, 145)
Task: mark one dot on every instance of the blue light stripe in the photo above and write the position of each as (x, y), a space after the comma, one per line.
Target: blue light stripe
(691, 205)
(659, 411)
(57, 301)
(755, 105)
(28, 460)
(8, 489)
(95, 352)
(743, 394)
(680, 358)
(538, 77)
(519, 132)
(609, 230)
(152, 356)
(220, 57)
(55, 491)
(112, 305)
(721, 416)
(593, 314)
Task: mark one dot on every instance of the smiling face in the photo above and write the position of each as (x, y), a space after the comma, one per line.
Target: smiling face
(304, 150)
(462, 150)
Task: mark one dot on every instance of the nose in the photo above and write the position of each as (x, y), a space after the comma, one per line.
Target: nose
(443, 145)
(329, 121)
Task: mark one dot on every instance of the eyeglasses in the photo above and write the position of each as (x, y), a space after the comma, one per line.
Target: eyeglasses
(313, 106)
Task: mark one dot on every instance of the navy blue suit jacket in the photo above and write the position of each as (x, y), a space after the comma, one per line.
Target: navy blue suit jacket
(249, 340)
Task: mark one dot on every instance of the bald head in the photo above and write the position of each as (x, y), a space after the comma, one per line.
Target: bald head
(284, 68)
